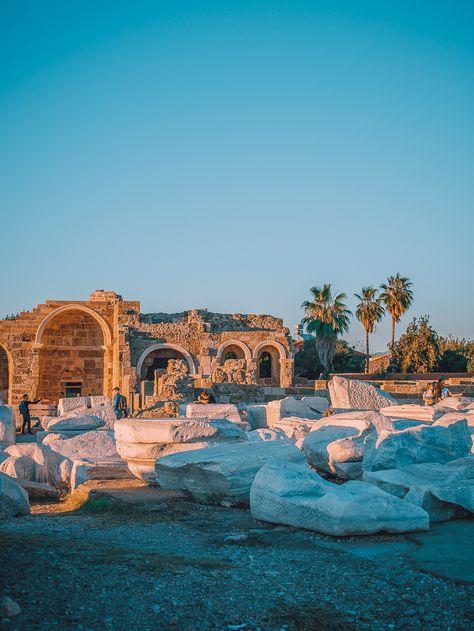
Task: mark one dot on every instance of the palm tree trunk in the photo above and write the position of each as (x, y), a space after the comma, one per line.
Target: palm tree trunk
(367, 351)
(393, 333)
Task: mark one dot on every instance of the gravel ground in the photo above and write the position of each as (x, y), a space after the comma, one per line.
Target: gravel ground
(179, 565)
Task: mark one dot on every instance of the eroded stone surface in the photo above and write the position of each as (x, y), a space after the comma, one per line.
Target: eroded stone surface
(222, 474)
(7, 426)
(75, 423)
(440, 489)
(294, 495)
(292, 407)
(359, 395)
(414, 445)
(13, 499)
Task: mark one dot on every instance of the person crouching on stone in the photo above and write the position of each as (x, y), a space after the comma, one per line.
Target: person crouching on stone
(24, 410)
(120, 404)
(205, 398)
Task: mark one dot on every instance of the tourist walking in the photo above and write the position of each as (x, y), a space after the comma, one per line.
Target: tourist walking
(120, 404)
(24, 409)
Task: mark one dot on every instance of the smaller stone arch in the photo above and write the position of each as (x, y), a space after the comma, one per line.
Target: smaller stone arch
(228, 343)
(156, 347)
(281, 349)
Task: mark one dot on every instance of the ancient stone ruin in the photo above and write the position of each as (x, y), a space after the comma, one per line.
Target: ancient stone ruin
(80, 348)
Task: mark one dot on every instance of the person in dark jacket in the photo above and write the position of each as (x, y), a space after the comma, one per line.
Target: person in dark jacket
(119, 403)
(24, 410)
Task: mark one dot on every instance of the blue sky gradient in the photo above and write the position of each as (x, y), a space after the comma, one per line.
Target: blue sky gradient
(230, 155)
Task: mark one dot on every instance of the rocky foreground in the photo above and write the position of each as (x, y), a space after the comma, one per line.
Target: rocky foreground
(142, 558)
(289, 515)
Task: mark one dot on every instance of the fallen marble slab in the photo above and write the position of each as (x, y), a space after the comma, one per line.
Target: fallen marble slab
(359, 395)
(444, 491)
(337, 447)
(75, 423)
(13, 499)
(257, 416)
(416, 445)
(223, 474)
(214, 411)
(426, 413)
(293, 407)
(455, 403)
(142, 441)
(294, 427)
(105, 469)
(337, 443)
(292, 494)
(7, 426)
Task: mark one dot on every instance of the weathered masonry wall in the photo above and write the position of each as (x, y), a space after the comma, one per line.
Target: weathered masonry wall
(105, 341)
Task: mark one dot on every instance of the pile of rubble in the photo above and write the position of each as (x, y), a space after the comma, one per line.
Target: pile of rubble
(71, 448)
(362, 465)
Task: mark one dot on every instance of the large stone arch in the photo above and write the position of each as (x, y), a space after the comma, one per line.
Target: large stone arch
(164, 346)
(74, 353)
(229, 343)
(72, 307)
(6, 374)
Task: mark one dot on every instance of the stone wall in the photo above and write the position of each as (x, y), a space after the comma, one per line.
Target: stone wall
(105, 341)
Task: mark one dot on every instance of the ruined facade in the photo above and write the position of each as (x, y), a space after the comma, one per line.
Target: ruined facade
(88, 347)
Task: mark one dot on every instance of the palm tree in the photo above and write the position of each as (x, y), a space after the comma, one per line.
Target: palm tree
(397, 297)
(369, 311)
(327, 317)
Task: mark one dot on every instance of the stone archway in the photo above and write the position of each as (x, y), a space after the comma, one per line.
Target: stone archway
(233, 349)
(156, 357)
(72, 343)
(6, 376)
(268, 357)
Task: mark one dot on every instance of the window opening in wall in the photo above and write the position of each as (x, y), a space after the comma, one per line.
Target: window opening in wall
(265, 366)
(230, 355)
(73, 388)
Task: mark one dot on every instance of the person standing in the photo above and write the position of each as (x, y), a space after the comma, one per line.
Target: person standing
(24, 410)
(429, 395)
(119, 404)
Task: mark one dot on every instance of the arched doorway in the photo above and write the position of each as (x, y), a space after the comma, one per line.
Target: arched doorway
(5, 376)
(71, 355)
(265, 365)
(267, 356)
(156, 357)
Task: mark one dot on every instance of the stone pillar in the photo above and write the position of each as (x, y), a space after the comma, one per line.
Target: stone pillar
(286, 373)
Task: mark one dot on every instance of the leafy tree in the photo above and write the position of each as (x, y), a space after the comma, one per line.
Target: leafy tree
(347, 359)
(369, 312)
(418, 348)
(326, 316)
(456, 355)
(308, 365)
(397, 297)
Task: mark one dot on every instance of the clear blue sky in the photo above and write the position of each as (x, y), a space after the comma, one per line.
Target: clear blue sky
(233, 154)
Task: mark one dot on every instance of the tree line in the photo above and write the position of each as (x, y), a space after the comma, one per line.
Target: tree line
(419, 349)
(327, 316)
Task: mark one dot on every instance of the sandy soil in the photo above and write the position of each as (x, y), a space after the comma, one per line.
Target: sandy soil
(141, 559)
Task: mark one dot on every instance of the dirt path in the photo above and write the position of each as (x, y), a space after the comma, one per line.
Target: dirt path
(167, 563)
